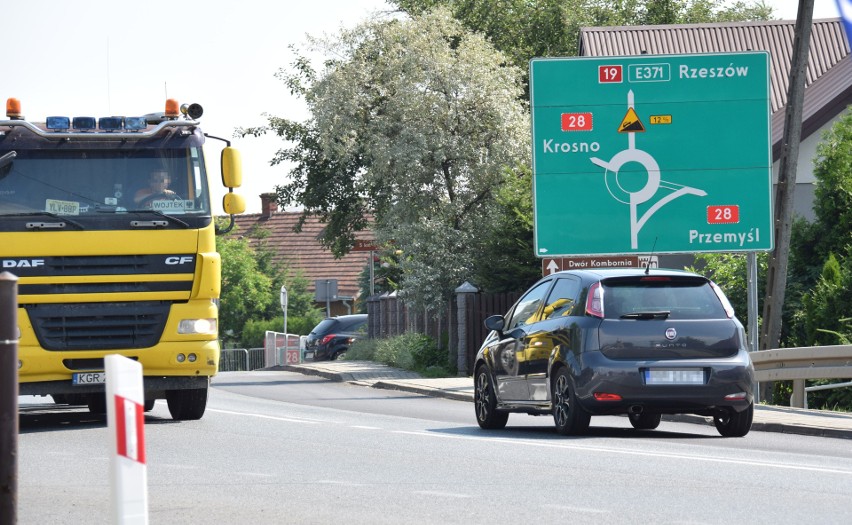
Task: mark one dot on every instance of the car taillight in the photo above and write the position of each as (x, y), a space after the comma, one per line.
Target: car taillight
(606, 396)
(327, 339)
(726, 304)
(594, 301)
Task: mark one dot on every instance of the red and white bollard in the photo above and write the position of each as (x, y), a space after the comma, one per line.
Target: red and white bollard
(126, 423)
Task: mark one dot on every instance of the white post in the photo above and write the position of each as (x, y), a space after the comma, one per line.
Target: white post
(284, 306)
(125, 400)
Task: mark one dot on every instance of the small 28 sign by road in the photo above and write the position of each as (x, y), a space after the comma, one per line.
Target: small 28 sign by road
(651, 154)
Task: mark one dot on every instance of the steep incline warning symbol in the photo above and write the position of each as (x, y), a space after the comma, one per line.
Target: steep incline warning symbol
(631, 123)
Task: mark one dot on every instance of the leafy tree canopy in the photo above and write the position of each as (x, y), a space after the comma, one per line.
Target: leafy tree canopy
(524, 29)
(821, 251)
(416, 121)
(251, 284)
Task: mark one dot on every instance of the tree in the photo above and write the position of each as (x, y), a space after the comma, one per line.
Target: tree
(417, 121)
(730, 272)
(821, 251)
(524, 29)
(507, 262)
(246, 292)
(251, 284)
(829, 233)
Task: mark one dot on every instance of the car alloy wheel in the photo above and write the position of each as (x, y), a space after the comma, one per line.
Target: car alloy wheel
(485, 402)
(568, 416)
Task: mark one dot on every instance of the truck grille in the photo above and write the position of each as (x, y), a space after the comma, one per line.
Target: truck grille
(98, 326)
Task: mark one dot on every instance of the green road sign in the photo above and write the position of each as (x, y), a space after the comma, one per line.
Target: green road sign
(665, 154)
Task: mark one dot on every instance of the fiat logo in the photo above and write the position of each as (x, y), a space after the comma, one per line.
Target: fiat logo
(671, 333)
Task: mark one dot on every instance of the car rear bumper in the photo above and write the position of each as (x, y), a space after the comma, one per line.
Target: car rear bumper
(625, 384)
(320, 353)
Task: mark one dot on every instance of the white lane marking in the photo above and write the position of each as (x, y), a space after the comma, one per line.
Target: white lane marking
(264, 416)
(256, 474)
(584, 510)
(362, 427)
(338, 482)
(442, 494)
(607, 450)
(587, 448)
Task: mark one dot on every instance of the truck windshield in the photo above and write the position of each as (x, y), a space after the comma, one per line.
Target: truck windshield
(91, 183)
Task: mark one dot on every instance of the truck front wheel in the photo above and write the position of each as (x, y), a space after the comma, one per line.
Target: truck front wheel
(185, 405)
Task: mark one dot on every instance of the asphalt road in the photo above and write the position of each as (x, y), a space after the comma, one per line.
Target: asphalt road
(280, 447)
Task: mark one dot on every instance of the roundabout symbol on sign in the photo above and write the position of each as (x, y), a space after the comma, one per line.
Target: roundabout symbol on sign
(652, 185)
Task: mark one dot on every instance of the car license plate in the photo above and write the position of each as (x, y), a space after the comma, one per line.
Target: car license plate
(88, 378)
(309, 355)
(674, 377)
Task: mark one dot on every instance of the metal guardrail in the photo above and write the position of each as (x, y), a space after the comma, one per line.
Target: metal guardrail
(279, 349)
(801, 364)
(241, 359)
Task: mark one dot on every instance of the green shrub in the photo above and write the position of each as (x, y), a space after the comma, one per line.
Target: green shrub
(254, 331)
(396, 351)
(410, 351)
(362, 350)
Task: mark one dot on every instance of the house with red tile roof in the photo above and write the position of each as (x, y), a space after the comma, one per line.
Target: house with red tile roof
(302, 251)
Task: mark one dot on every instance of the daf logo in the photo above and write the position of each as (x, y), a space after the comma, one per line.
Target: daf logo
(671, 333)
(175, 260)
(22, 263)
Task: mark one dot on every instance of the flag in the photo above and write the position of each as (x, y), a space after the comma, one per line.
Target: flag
(845, 8)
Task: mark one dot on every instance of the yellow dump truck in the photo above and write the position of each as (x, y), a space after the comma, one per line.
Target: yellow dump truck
(108, 224)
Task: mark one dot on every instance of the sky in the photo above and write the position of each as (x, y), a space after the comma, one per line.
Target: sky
(112, 57)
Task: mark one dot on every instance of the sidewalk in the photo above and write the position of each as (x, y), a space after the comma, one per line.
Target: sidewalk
(766, 418)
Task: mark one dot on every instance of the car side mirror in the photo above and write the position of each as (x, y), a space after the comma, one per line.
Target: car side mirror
(495, 322)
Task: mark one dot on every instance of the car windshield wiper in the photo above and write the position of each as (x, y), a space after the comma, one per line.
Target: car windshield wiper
(63, 220)
(659, 314)
(158, 213)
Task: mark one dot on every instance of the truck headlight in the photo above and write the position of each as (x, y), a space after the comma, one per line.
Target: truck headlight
(197, 326)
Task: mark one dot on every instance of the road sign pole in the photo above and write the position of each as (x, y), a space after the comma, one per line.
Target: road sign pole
(126, 421)
(284, 306)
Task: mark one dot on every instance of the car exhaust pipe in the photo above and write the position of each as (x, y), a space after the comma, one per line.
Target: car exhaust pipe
(635, 409)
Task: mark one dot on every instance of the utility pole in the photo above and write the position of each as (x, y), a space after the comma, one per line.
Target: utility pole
(776, 275)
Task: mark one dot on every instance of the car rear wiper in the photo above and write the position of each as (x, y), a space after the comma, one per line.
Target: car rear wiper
(63, 221)
(660, 314)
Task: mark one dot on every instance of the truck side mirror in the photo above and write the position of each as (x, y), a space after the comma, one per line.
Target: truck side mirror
(232, 169)
(233, 204)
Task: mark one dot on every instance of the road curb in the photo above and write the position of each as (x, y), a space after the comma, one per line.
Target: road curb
(431, 392)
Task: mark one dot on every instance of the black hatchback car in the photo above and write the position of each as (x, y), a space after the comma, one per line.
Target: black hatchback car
(333, 336)
(617, 341)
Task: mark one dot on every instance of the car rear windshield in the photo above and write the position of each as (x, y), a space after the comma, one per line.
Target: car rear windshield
(661, 297)
(324, 326)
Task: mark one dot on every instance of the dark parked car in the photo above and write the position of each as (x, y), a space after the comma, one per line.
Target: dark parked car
(333, 336)
(617, 341)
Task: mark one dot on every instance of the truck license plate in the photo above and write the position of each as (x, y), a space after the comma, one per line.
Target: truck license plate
(88, 378)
